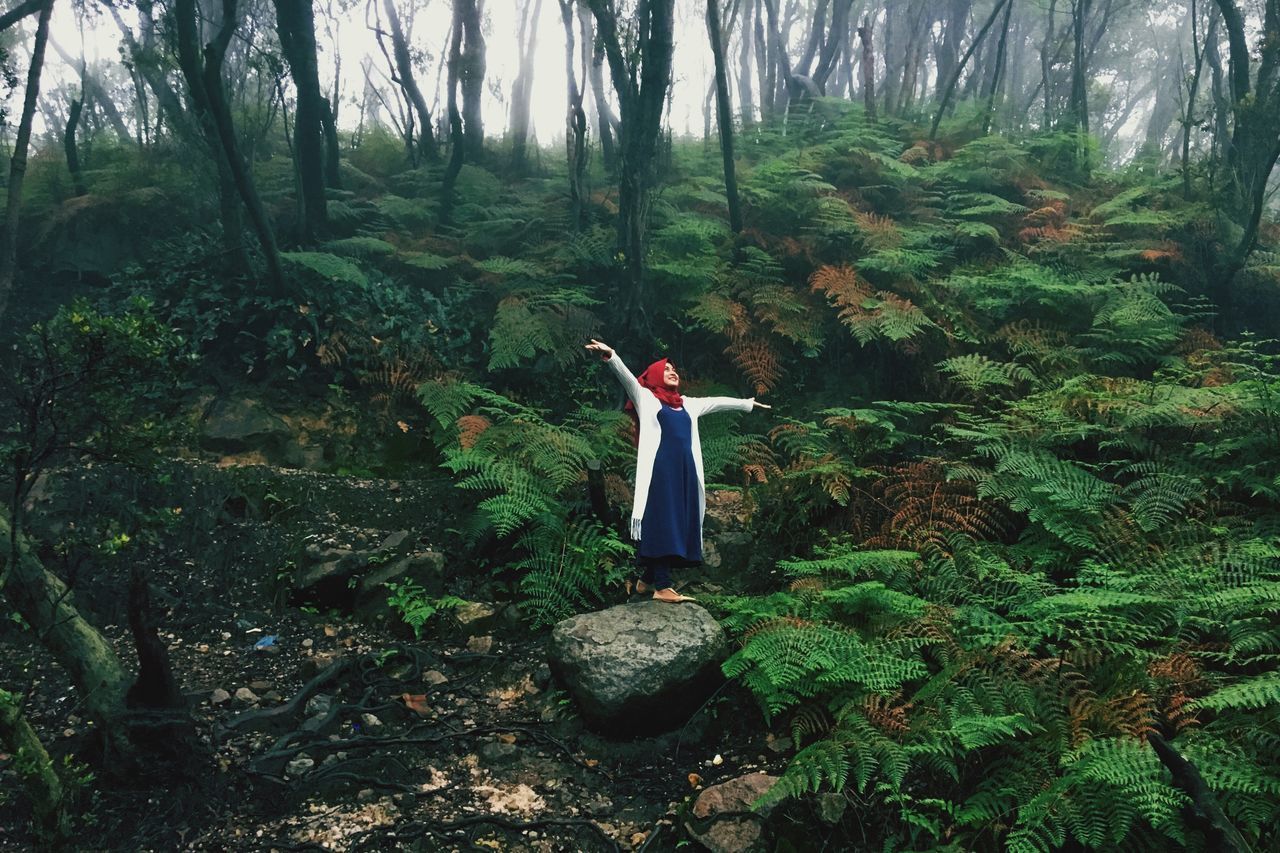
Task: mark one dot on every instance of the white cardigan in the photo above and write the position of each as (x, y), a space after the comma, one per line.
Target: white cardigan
(647, 408)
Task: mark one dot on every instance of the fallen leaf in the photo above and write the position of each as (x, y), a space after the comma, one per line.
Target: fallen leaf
(507, 737)
(416, 702)
(694, 780)
(591, 762)
(638, 838)
(330, 631)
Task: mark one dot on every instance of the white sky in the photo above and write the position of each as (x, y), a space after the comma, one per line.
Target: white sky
(101, 41)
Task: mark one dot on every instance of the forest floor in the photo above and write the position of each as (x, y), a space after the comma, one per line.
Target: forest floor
(452, 741)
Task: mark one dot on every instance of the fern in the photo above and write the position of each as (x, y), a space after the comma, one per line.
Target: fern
(327, 266)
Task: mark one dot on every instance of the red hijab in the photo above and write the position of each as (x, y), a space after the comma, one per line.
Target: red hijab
(652, 379)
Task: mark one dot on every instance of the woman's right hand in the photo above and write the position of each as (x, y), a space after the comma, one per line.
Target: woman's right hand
(606, 352)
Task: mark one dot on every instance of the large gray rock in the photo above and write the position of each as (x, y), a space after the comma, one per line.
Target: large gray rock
(243, 424)
(640, 668)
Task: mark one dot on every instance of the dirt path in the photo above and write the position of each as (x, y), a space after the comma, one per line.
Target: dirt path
(455, 741)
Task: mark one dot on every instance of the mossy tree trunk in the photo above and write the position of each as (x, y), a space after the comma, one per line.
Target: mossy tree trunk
(44, 603)
(38, 773)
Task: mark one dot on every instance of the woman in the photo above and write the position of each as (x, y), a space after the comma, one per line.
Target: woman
(670, 500)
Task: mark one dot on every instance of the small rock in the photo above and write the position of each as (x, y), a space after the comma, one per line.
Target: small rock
(497, 752)
(68, 732)
(474, 614)
(778, 744)
(831, 807)
(202, 647)
(321, 662)
(394, 541)
(308, 643)
(600, 806)
(244, 694)
(260, 686)
(219, 696)
(272, 696)
(731, 835)
(434, 677)
(319, 704)
(480, 645)
(299, 766)
(542, 676)
(369, 721)
(365, 795)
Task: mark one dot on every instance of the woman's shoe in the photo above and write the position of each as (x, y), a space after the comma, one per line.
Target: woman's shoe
(670, 596)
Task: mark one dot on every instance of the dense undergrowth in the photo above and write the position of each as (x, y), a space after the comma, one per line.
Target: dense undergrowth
(1022, 479)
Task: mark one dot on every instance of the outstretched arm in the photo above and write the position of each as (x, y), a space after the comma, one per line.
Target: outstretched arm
(629, 383)
(711, 405)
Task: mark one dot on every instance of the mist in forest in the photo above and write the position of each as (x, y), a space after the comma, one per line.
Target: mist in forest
(596, 425)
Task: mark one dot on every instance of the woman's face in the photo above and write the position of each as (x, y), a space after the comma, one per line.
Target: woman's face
(669, 376)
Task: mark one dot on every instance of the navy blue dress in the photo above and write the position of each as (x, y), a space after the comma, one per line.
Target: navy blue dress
(671, 526)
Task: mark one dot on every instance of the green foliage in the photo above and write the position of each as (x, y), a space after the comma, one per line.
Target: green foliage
(414, 607)
(327, 266)
(525, 470)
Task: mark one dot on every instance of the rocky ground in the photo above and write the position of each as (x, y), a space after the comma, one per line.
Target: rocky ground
(320, 728)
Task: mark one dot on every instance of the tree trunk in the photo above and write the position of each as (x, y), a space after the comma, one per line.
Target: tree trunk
(144, 62)
(17, 13)
(867, 68)
(203, 73)
(575, 120)
(817, 27)
(1046, 65)
(403, 76)
(745, 110)
(18, 162)
(44, 602)
(155, 686)
(781, 61)
(295, 25)
(950, 89)
(470, 71)
(606, 122)
(457, 136)
(36, 769)
(522, 89)
(837, 43)
(1193, 90)
(92, 91)
(332, 153)
(921, 24)
(764, 67)
(1001, 52)
(1079, 104)
(641, 78)
(724, 115)
(947, 50)
(1255, 138)
(69, 147)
